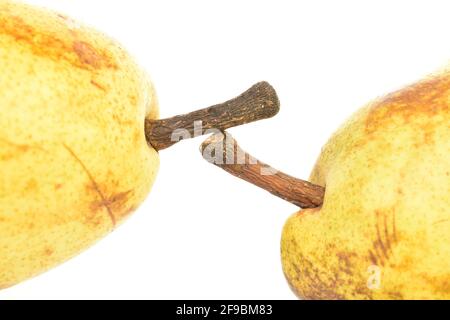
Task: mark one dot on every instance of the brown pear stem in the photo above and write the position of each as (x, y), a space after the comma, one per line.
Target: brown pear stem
(257, 103)
(223, 151)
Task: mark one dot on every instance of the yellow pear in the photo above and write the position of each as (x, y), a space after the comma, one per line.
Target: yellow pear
(78, 137)
(377, 223)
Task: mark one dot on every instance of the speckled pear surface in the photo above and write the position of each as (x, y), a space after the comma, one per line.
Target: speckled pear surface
(74, 161)
(383, 231)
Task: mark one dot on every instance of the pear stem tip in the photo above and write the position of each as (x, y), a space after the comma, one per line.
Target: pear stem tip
(222, 150)
(257, 103)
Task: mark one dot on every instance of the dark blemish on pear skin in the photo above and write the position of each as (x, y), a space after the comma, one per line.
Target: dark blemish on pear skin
(49, 45)
(93, 183)
(425, 98)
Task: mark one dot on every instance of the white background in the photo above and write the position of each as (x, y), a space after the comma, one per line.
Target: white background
(202, 233)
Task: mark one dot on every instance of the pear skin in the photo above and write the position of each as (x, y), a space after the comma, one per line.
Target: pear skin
(74, 160)
(383, 229)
